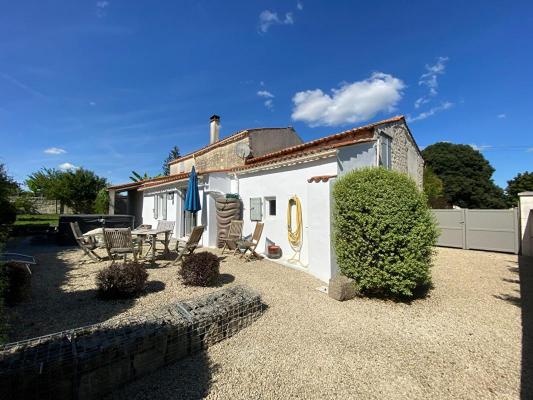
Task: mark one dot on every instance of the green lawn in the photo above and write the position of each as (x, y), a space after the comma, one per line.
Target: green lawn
(37, 219)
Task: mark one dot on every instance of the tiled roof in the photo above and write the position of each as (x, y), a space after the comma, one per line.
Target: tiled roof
(321, 178)
(318, 147)
(336, 140)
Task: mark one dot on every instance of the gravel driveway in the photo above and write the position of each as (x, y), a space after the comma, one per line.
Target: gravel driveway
(463, 341)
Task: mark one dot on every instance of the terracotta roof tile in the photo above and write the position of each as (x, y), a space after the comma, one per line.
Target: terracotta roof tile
(321, 178)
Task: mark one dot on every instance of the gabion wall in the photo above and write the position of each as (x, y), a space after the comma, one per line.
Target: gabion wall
(85, 363)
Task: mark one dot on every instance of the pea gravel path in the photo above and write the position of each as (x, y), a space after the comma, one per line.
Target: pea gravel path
(463, 341)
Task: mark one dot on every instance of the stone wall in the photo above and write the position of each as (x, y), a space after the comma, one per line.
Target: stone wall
(217, 158)
(405, 156)
(86, 363)
(45, 206)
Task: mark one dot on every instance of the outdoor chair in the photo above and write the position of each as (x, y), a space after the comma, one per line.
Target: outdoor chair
(118, 242)
(185, 249)
(234, 234)
(87, 244)
(247, 247)
(165, 226)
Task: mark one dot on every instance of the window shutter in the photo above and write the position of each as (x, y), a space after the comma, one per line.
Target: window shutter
(256, 209)
(164, 204)
(156, 206)
(385, 156)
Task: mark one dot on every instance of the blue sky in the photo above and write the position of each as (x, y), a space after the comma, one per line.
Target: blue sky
(113, 85)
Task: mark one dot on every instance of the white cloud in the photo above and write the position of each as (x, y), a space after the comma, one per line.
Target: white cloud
(92, 103)
(268, 18)
(265, 93)
(55, 150)
(269, 104)
(502, 116)
(352, 102)
(530, 150)
(430, 80)
(481, 147)
(67, 166)
(101, 8)
(299, 5)
(443, 106)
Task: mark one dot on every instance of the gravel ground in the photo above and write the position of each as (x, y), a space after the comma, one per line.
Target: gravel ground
(462, 341)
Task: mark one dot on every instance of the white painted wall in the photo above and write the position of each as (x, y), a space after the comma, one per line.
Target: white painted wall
(148, 208)
(356, 156)
(283, 183)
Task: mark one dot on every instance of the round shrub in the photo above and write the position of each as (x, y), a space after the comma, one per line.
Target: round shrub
(121, 280)
(384, 232)
(200, 269)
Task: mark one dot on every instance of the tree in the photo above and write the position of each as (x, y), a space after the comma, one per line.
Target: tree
(8, 187)
(434, 189)
(523, 182)
(101, 203)
(77, 189)
(136, 177)
(466, 175)
(173, 155)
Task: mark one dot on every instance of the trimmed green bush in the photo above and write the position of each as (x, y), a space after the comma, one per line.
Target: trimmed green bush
(200, 269)
(384, 232)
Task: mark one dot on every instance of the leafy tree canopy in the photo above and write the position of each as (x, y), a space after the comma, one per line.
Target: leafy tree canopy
(8, 187)
(434, 189)
(77, 189)
(465, 174)
(523, 182)
(174, 154)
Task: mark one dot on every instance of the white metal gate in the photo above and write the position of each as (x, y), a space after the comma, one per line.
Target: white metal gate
(494, 230)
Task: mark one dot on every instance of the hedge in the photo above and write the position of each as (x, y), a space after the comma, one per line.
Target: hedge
(384, 232)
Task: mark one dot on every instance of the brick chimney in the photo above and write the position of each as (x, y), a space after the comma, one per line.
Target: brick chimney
(214, 127)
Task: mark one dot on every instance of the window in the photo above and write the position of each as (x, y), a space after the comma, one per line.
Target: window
(385, 151)
(270, 203)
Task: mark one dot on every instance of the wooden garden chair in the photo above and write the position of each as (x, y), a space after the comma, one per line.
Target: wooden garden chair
(87, 244)
(247, 247)
(234, 234)
(187, 248)
(168, 228)
(119, 242)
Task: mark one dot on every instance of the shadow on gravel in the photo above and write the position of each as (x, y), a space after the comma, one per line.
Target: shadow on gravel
(51, 308)
(187, 379)
(526, 291)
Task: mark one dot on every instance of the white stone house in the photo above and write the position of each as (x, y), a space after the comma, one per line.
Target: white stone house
(266, 167)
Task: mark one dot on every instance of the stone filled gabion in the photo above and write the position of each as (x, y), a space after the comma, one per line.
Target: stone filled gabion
(91, 361)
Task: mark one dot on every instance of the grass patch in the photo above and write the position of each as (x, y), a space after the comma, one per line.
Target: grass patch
(37, 219)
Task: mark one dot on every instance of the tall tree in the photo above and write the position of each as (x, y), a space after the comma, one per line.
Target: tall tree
(174, 154)
(434, 189)
(523, 182)
(77, 189)
(466, 175)
(8, 187)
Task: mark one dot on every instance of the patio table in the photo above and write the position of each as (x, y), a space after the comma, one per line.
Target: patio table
(97, 234)
(151, 234)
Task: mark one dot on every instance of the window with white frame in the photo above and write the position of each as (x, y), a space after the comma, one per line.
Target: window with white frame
(164, 206)
(271, 206)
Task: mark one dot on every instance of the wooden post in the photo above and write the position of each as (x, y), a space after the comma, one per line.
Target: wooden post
(111, 202)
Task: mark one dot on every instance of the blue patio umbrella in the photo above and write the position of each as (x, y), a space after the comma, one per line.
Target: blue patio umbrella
(192, 198)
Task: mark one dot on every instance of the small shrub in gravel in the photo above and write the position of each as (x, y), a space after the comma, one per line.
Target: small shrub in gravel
(200, 269)
(384, 232)
(121, 280)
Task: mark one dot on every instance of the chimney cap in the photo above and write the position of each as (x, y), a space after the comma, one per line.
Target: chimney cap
(214, 117)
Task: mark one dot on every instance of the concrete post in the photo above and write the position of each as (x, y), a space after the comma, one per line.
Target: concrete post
(111, 202)
(526, 222)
